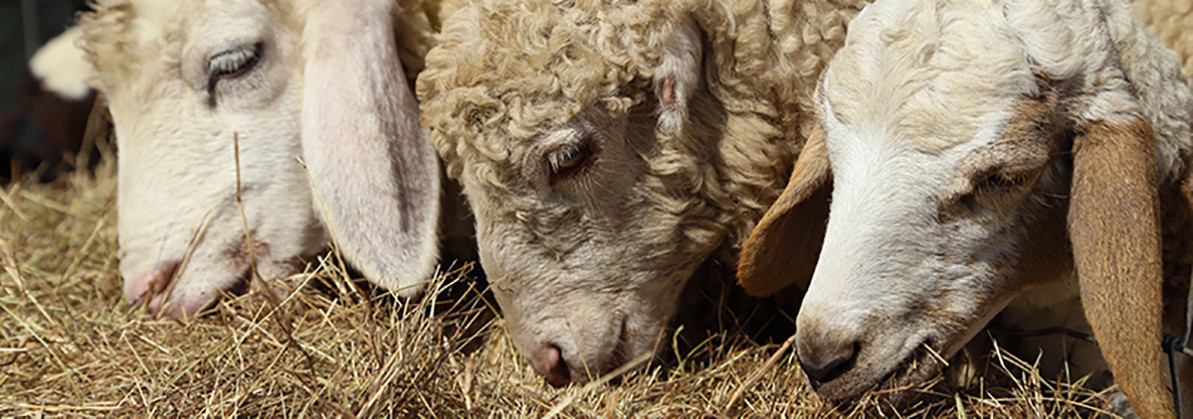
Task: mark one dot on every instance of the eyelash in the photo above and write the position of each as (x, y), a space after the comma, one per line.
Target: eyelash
(993, 183)
(231, 64)
(570, 160)
(997, 181)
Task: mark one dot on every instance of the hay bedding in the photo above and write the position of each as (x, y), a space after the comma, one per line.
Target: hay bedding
(70, 345)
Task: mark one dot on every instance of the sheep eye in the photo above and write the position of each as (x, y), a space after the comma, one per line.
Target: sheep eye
(232, 63)
(569, 160)
(998, 181)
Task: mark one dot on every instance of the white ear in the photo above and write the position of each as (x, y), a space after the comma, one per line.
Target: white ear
(376, 173)
(678, 75)
(62, 67)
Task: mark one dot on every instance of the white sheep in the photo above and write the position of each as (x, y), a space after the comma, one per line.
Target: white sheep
(976, 148)
(320, 80)
(610, 148)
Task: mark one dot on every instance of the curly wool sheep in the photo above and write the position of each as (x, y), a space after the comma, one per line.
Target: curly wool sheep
(213, 105)
(608, 149)
(980, 148)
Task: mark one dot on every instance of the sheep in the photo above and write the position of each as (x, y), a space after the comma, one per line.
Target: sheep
(213, 104)
(608, 149)
(976, 149)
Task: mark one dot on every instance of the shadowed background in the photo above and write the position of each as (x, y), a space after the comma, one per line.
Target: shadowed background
(20, 38)
(37, 128)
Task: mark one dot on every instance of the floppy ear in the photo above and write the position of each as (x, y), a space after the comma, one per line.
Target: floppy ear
(61, 66)
(1114, 228)
(678, 75)
(784, 246)
(375, 172)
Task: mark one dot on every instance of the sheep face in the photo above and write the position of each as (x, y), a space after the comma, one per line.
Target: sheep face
(211, 118)
(577, 150)
(925, 244)
(577, 269)
(953, 133)
(230, 75)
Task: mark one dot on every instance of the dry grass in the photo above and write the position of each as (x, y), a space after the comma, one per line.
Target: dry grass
(70, 345)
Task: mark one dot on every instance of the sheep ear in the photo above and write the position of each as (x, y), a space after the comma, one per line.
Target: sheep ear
(61, 66)
(1113, 224)
(784, 246)
(375, 175)
(678, 76)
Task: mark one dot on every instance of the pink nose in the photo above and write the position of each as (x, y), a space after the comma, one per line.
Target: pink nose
(551, 365)
(145, 287)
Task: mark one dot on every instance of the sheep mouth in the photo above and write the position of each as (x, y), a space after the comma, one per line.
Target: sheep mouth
(165, 303)
(621, 354)
(924, 362)
(920, 364)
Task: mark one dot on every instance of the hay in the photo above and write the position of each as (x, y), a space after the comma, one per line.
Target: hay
(70, 345)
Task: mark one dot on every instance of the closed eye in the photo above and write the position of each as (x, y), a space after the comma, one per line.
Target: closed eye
(992, 188)
(998, 181)
(231, 64)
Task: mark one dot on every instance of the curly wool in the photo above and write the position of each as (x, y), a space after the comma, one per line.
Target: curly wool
(1170, 20)
(509, 70)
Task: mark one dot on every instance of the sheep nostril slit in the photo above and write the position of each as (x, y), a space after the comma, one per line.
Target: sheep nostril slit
(555, 368)
(826, 370)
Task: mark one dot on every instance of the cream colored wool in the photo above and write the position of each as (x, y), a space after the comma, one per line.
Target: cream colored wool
(489, 84)
(686, 172)
(1171, 21)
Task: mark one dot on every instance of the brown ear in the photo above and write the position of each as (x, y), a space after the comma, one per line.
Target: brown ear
(1115, 232)
(783, 248)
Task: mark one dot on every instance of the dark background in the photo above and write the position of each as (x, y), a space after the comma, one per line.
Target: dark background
(47, 19)
(41, 134)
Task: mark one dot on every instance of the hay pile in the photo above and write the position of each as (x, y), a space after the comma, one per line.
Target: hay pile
(70, 345)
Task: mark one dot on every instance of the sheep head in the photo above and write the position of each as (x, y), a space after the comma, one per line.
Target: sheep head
(193, 84)
(976, 150)
(598, 165)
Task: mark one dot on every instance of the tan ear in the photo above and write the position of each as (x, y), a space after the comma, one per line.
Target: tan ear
(376, 173)
(784, 246)
(1114, 228)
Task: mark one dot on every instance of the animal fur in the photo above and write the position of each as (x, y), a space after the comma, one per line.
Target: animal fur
(1170, 21)
(325, 81)
(962, 136)
(698, 109)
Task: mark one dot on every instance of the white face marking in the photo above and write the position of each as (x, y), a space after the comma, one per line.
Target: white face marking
(943, 148)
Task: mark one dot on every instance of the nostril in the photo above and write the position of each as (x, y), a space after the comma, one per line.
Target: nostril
(552, 366)
(822, 366)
